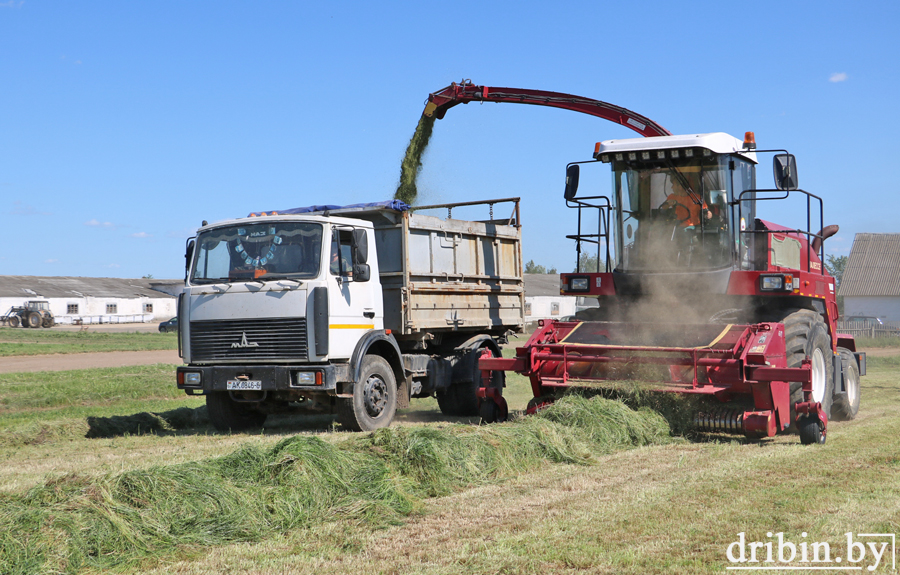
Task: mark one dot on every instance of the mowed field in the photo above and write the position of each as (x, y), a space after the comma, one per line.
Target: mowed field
(534, 499)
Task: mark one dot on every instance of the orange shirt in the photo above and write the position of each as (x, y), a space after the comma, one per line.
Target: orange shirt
(686, 210)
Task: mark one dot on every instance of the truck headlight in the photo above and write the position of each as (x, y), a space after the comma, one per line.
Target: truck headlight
(305, 377)
(191, 378)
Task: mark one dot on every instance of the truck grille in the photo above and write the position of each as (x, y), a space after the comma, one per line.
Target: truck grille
(249, 339)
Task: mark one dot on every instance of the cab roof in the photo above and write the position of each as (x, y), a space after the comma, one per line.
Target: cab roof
(716, 142)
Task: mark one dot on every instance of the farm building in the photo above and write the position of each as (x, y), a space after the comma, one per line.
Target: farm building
(94, 300)
(542, 299)
(871, 280)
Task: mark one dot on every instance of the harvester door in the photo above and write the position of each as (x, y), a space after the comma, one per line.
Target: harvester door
(351, 304)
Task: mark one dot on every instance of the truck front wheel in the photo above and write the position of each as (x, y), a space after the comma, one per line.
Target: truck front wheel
(228, 415)
(374, 401)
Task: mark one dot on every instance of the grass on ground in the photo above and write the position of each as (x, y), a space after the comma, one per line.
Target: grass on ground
(40, 342)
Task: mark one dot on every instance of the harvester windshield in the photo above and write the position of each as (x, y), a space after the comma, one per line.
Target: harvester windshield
(674, 214)
(271, 250)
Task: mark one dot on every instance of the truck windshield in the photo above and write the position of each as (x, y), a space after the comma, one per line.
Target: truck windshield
(672, 215)
(270, 250)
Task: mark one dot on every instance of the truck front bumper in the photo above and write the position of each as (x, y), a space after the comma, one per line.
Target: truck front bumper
(199, 380)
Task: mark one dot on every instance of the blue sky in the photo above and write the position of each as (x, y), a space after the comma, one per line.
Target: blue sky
(125, 124)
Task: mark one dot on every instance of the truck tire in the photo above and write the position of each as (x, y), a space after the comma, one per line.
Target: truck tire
(805, 336)
(459, 399)
(33, 319)
(14, 321)
(228, 415)
(374, 401)
(846, 403)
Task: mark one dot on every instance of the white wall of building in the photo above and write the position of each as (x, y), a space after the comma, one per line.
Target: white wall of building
(885, 307)
(96, 310)
(548, 307)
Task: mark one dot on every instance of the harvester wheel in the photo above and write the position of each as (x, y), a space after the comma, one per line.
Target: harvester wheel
(374, 401)
(33, 319)
(228, 415)
(460, 398)
(805, 336)
(14, 321)
(48, 321)
(811, 430)
(846, 403)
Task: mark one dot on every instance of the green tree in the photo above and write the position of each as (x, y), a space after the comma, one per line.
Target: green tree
(533, 268)
(588, 263)
(836, 266)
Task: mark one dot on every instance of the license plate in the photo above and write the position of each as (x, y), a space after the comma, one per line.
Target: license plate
(243, 384)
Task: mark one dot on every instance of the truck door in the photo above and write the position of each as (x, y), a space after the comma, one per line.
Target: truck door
(351, 305)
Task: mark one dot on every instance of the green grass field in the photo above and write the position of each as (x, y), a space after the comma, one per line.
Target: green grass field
(115, 470)
(39, 342)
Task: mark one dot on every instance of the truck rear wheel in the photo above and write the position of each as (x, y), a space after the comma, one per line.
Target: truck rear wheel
(374, 401)
(846, 403)
(805, 336)
(33, 319)
(228, 415)
(14, 321)
(460, 398)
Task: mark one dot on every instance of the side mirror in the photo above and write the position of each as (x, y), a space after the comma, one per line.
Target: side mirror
(785, 166)
(188, 255)
(359, 247)
(362, 272)
(572, 173)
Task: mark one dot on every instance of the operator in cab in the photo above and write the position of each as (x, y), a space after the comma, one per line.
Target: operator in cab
(687, 207)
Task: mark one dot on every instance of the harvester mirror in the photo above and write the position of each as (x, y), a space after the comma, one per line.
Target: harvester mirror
(785, 166)
(572, 181)
(359, 246)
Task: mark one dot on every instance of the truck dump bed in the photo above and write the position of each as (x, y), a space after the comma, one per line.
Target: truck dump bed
(444, 274)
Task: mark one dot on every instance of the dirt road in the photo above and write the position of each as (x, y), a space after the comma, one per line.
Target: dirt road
(64, 362)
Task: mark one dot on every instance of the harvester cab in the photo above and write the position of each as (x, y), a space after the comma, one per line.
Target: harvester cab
(697, 294)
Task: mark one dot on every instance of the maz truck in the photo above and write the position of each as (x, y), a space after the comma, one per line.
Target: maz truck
(294, 312)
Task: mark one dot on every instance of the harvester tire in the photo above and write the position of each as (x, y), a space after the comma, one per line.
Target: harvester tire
(811, 430)
(228, 415)
(374, 401)
(460, 398)
(14, 321)
(846, 403)
(48, 321)
(805, 336)
(33, 319)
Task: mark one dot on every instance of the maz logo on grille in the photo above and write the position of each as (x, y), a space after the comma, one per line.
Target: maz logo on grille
(244, 342)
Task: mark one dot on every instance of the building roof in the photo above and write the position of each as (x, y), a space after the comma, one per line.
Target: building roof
(541, 285)
(74, 287)
(873, 268)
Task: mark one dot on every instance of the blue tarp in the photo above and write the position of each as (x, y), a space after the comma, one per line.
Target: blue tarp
(395, 205)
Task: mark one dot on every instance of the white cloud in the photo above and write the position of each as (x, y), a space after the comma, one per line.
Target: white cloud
(21, 209)
(98, 224)
(51, 261)
(78, 62)
(142, 235)
(112, 266)
(12, 4)
(838, 77)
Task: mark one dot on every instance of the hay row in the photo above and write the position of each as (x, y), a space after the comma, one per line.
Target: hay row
(117, 520)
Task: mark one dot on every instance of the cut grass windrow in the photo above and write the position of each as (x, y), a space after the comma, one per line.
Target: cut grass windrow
(80, 522)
